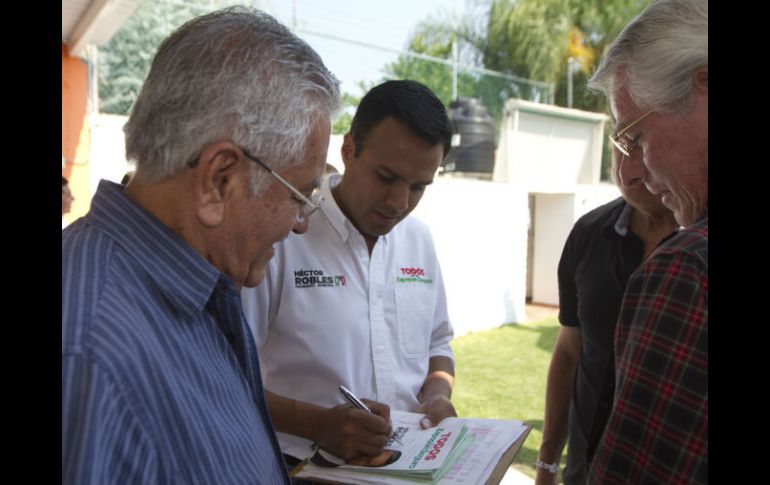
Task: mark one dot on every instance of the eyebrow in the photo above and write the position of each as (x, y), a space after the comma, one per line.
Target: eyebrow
(623, 131)
(615, 125)
(394, 174)
(615, 122)
(634, 123)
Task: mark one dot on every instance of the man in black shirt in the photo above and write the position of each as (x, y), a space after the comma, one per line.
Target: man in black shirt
(604, 247)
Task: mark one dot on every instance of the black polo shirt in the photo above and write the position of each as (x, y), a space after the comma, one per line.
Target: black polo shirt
(593, 271)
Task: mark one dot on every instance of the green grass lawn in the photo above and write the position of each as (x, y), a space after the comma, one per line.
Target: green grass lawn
(501, 373)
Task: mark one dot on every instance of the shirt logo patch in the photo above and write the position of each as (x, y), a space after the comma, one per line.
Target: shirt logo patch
(311, 278)
(413, 275)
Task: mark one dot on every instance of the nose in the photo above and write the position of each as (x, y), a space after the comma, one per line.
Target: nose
(631, 171)
(301, 225)
(398, 197)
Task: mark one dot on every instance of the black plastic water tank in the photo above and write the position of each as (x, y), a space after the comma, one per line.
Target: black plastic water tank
(473, 144)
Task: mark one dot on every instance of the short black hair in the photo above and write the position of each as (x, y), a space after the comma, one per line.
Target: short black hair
(410, 103)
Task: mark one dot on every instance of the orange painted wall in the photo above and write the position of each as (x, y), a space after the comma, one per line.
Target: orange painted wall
(75, 135)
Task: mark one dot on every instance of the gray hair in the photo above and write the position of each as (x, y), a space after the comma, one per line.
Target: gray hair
(659, 51)
(234, 74)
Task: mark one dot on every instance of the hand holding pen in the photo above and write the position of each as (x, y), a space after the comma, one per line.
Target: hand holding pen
(348, 433)
(357, 403)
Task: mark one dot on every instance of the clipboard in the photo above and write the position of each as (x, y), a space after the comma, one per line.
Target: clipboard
(507, 459)
(497, 475)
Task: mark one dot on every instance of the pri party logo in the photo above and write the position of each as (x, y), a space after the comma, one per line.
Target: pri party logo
(311, 278)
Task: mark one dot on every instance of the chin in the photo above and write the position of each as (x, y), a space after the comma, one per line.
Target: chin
(382, 229)
(256, 276)
(258, 268)
(683, 220)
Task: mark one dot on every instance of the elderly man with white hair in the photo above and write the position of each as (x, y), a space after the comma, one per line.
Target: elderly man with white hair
(160, 377)
(655, 75)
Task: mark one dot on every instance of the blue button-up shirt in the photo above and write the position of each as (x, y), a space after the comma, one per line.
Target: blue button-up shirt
(160, 378)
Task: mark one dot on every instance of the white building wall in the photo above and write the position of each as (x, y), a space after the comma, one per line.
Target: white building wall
(555, 214)
(555, 152)
(548, 148)
(480, 231)
(553, 220)
(333, 155)
(589, 197)
(108, 149)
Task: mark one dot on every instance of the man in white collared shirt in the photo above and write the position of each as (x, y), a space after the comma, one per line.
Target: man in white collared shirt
(359, 300)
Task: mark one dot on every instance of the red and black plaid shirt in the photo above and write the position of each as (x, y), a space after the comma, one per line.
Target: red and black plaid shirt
(658, 429)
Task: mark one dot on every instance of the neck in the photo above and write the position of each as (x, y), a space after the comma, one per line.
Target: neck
(338, 192)
(652, 226)
(370, 242)
(162, 200)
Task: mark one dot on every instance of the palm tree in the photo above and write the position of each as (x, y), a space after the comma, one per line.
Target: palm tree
(534, 39)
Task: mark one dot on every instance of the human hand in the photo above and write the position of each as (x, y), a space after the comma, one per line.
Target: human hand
(348, 432)
(385, 458)
(436, 408)
(544, 477)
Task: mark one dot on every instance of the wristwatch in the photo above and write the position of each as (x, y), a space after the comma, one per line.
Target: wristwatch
(549, 467)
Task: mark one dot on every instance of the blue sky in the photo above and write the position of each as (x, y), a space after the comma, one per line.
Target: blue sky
(386, 23)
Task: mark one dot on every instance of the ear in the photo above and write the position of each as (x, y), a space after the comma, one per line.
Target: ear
(216, 180)
(701, 79)
(348, 149)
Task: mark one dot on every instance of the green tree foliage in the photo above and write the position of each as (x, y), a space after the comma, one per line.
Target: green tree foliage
(349, 103)
(529, 39)
(520, 40)
(432, 39)
(125, 60)
(341, 125)
(435, 38)
(534, 39)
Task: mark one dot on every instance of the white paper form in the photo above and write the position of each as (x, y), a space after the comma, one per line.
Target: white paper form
(493, 437)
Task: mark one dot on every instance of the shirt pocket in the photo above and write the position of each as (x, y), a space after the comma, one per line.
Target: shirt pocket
(414, 309)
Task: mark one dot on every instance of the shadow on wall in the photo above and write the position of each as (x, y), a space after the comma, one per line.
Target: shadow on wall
(510, 306)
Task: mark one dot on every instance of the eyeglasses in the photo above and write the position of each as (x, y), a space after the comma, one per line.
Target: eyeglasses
(309, 205)
(626, 148)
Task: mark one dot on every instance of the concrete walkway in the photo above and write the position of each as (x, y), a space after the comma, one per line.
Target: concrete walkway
(515, 477)
(534, 312)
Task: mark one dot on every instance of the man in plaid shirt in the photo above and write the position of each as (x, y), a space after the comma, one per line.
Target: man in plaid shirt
(655, 75)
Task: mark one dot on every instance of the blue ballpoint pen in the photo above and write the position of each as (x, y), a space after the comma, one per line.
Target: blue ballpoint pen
(358, 404)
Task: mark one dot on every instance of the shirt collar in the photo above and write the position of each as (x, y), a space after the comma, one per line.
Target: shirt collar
(623, 221)
(332, 210)
(179, 271)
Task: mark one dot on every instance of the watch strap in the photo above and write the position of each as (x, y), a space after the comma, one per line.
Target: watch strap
(550, 467)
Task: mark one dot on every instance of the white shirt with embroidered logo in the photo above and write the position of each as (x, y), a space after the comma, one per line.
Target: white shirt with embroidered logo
(328, 314)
